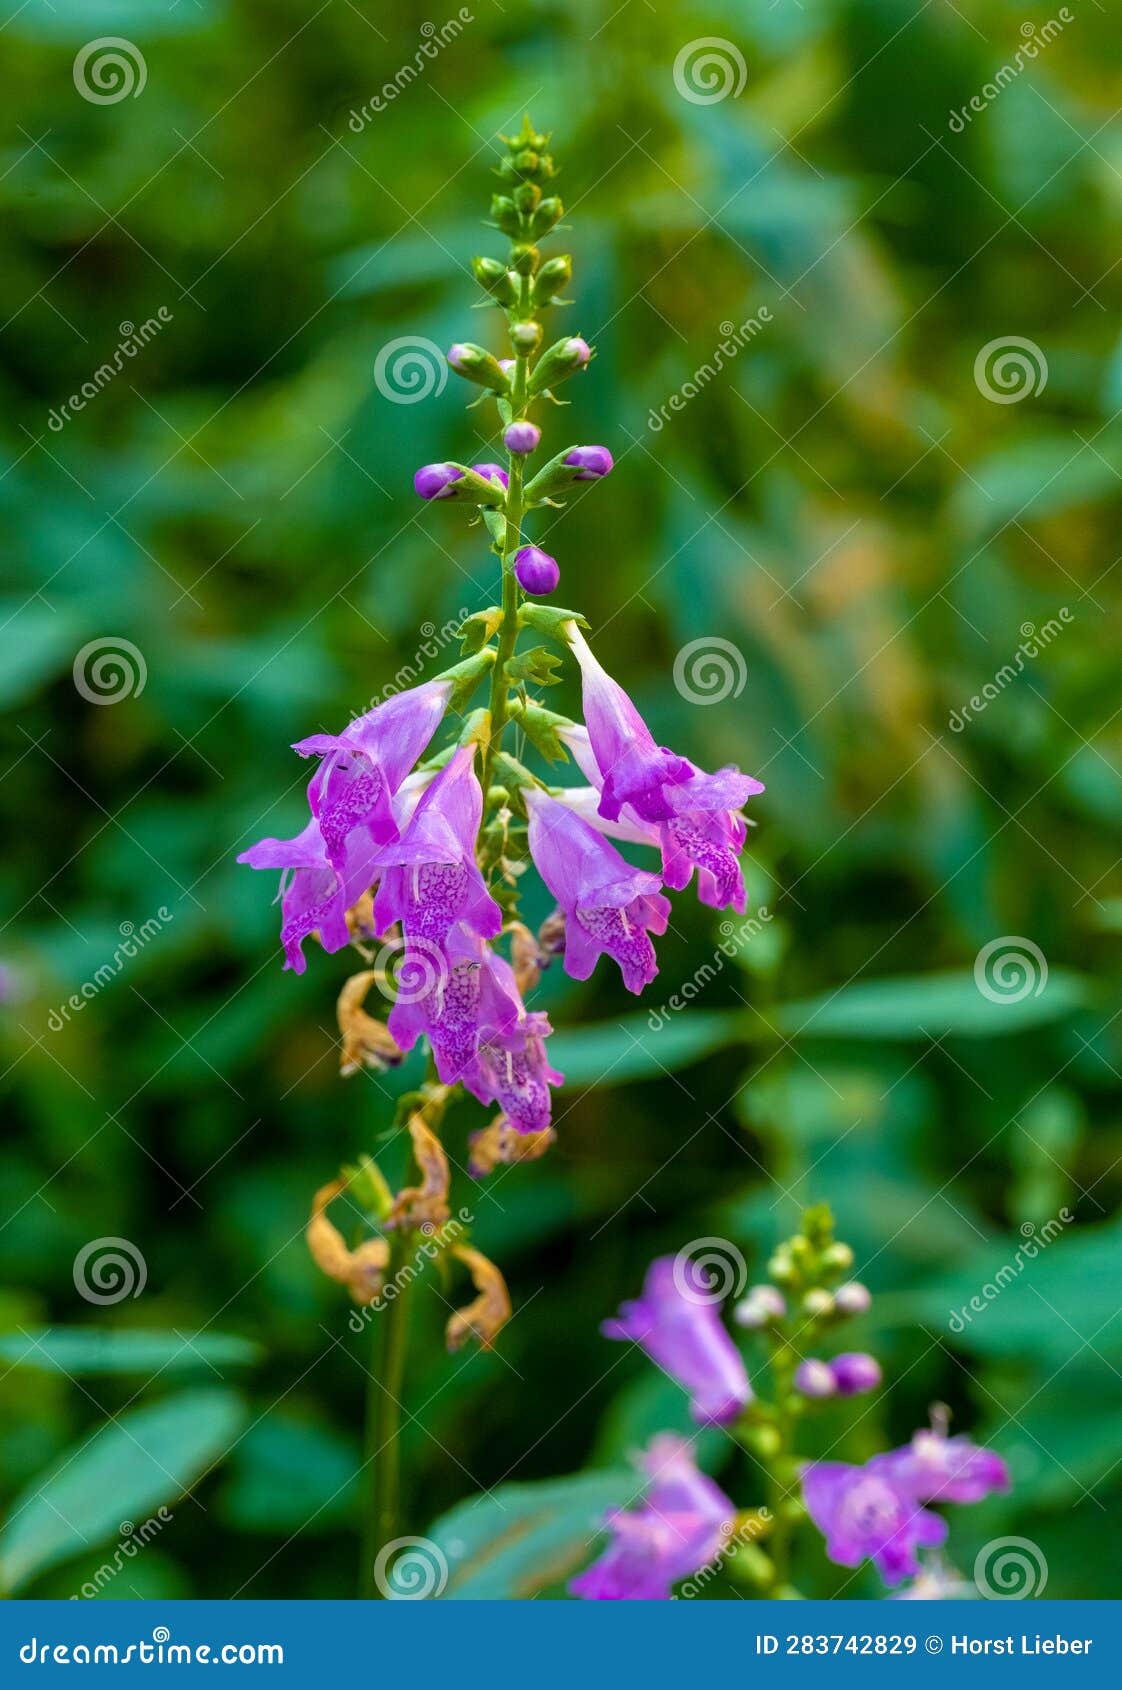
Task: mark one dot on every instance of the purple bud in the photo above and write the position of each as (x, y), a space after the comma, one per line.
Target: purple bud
(461, 355)
(434, 480)
(522, 437)
(593, 461)
(762, 1304)
(852, 1298)
(579, 350)
(536, 571)
(491, 472)
(855, 1372)
(815, 1379)
(508, 366)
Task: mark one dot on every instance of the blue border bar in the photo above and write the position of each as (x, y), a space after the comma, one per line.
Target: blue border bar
(624, 1645)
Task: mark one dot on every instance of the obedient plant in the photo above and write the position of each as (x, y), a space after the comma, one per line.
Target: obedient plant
(882, 1512)
(422, 824)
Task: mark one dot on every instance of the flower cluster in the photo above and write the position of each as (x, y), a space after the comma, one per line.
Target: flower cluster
(881, 1511)
(421, 843)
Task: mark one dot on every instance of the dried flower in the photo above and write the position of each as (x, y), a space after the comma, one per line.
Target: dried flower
(484, 1317)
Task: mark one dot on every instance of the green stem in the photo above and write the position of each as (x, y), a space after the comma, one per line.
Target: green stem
(383, 1437)
(784, 1363)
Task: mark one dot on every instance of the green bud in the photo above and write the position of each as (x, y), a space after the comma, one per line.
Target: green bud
(562, 359)
(818, 1303)
(527, 197)
(525, 259)
(497, 280)
(526, 337)
(838, 1258)
(504, 212)
(547, 214)
(555, 274)
(749, 1564)
(782, 1269)
(475, 363)
(763, 1441)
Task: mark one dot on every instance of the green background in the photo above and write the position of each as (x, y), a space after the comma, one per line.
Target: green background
(841, 502)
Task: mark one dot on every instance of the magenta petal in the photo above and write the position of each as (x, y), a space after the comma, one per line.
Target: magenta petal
(680, 1329)
(864, 1515)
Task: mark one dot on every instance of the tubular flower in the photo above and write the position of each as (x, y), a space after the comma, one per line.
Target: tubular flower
(484, 1317)
(681, 1526)
(681, 1331)
(697, 824)
(609, 906)
(863, 1514)
(429, 877)
(313, 897)
(935, 1468)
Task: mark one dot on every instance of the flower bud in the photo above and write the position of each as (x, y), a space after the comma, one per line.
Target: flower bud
(555, 274)
(507, 366)
(762, 1304)
(522, 437)
(836, 1258)
(496, 278)
(854, 1373)
(817, 1303)
(504, 212)
(493, 472)
(549, 212)
(815, 1379)
(476, 364)
(852, 1298)
(591, 462)
(526, 197)
(434, 481)
(561, 359)
(525, 258)
(526, 337)
(536, 571)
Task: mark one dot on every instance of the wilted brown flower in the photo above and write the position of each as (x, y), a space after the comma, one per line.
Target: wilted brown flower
(500, 1142)
(360, 1269)
(366, 1043)
(425, 1205)
(484, 1317)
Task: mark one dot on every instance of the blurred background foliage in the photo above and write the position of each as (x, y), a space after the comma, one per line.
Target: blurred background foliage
(841, 501)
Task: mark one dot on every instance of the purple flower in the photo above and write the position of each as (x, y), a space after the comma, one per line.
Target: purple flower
(492, 472)
(692, 816)
(432, 481)
(536, 571)
(863, 1515)
(680, 1329)
(330, 863)
(815, 1379)
(609, 906)
(682, 1524)
(522, 437)
(935, 1468)
(429, 877)
(855, 1373)
(593, 461)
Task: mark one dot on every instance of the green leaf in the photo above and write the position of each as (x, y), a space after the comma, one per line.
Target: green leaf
(80, 1350)
(127, 1468)
(548, 619)
(290, 1475)
(519, 1542)
(541, 727)
(633, 1049)
(478, 629)
(928, 1006)
(535, 665)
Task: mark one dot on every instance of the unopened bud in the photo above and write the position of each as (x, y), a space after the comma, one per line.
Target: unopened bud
(496, 278)
(762, 1305)
(525, 259)
(815, 1379)
(526, 197)
(536, 571)
(554, 274)
(837, 1258)
(817, 1303)
(526, 337)
(475, 363)
(522, 437)
(561, 359)
(853, 1298)
(504, 212)
(547, 214)
(854, 1373)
